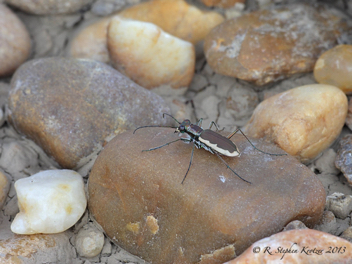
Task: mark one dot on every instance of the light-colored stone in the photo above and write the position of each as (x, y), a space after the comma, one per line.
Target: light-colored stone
(334, 67)
(304, 246)
(175, 17)
(303, 121)
(327, 223)
(343, 157)
(89, 241)
(150, 56)
(52, 7)
(347, 234)
(15, 43)
(340, 204)
(49, 202)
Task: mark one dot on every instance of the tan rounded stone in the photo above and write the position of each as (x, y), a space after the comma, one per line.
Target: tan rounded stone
(334, 67)
(307, 247)
(138, 199)
(302, 121)
(15, 43)
(268, 45)
(91, 42)
(150, 56)
(71, 107)
(52, 7)
(222, 3)
(175, 17)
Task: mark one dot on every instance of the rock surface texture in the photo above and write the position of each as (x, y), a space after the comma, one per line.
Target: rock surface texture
(268, 45)
(138, 199)
(70, 107)
(303, 121)
(15, 42)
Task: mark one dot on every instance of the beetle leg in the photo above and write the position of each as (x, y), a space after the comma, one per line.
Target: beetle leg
(230, 168)
(199, 123)
(216, 126)
(162, 145)
(238, 129)
(190, 163)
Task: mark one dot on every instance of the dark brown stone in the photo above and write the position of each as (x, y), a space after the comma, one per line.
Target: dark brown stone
(70, 107)
(211, 210)
(268, 45)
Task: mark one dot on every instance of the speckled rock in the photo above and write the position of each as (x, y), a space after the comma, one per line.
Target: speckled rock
(138, 199)
(33, 249)
(53, 7)
(347, 234)
(303, 121)
(334, 67)
(344, 155)
(150, 56)
(327, 223)
(175, 17)
(70, 107)
(306, 245)
(222, 3)
(268, 45)
(15, 43)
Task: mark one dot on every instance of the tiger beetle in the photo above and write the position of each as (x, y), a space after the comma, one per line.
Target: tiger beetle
(206, 139)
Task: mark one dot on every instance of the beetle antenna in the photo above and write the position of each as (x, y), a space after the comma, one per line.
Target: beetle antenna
(152, 126)
(171, 117)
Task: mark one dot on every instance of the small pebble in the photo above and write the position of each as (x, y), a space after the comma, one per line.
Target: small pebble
(296, 224)
(50, 202)
(327, 223)
(303, 246)
(15, 42)
(349, 114)
(269, 45)
(334, 67)
(347, 234)
(89, 241)
(340, 204)
(52, 7)
(303, 121)
(150, 56)
(343, 159)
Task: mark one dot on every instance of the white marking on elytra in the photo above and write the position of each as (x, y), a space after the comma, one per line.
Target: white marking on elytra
(222, 178)
(220, 150)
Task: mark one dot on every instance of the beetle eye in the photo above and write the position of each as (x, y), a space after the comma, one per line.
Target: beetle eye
(182, 127)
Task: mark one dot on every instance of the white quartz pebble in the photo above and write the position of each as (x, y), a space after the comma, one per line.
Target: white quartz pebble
(50, 202)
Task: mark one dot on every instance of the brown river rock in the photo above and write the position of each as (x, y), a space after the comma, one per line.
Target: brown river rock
(70, 107)
(138, 199)
(268, 45)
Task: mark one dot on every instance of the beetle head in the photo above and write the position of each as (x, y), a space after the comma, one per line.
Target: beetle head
(182, 128)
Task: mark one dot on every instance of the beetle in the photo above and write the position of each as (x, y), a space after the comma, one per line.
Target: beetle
(207, 139)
